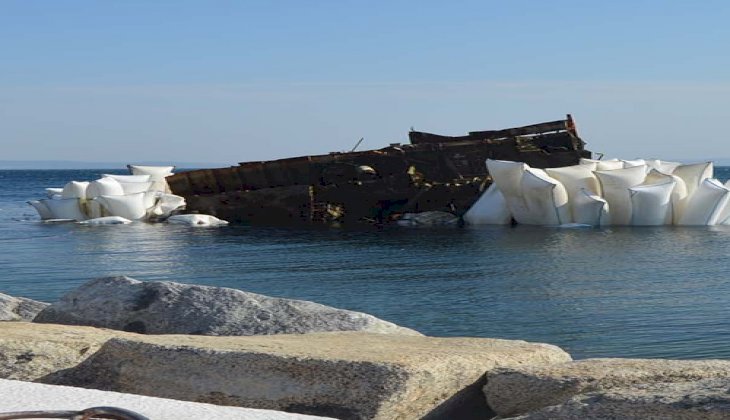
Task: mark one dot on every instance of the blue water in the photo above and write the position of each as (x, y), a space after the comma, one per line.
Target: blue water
(628, 292)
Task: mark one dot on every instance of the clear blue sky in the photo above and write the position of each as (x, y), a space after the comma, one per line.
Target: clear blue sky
(228, 81)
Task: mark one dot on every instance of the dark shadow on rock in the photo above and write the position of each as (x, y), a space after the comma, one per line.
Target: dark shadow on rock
(467, 404)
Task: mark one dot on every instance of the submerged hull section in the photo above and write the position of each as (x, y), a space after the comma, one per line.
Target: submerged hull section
(432, 173)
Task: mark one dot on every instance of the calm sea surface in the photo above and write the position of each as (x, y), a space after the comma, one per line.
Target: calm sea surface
(629, 292)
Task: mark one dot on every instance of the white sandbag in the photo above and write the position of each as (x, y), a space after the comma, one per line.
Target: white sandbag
(150, 199)
(43, 211)
(546, 199)
(104, 186)
(157, 175)
(50, 192)
(56, 197)
(67, 208)
(603, 165)
(663, 166)
(135, 187)
(489, 209)
(615, 186)
(153, 171)
(196, 220)
(679, 193)
(576, 177)
(707, 205)
(632, 163)
(166, 204)
(507, 175)
(693, 175)
(590, 209)
(128, 206)
(94, 209)
(109, 220)
(128, 178)
(75, 189)
(651, 205)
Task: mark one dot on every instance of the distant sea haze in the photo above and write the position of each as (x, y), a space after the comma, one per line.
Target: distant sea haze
(71, 164)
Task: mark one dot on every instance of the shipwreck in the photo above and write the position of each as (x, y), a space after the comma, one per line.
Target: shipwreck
(430, 173)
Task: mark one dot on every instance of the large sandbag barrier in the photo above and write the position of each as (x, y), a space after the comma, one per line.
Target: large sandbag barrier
(599, 193)
(143, 196)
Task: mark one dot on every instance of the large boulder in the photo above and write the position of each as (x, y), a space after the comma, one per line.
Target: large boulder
(18, 308)
(706, 399)
(350, 375)
(513, 391)
(29, 352)
(162, 307)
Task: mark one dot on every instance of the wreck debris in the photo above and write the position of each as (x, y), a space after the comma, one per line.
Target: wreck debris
(432, 173)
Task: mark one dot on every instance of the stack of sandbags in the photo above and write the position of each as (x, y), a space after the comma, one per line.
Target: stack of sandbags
(144, 195)
(612, 192)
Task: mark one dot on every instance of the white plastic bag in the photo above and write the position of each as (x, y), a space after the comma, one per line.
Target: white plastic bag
(75, 189)
(43, 211)
(590, 209)
(104, 186)
(651, 205)
(707, 207)
(507, 175)
(615, 186)
(127, 206)
(546, 198)
(489, 209)
(128, 178)
(67, 208)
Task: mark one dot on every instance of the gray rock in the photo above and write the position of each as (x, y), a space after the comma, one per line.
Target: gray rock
(29, 352)
(18, 308)
(706, 399)
(350, 375)
(122, 303)
(513, 391)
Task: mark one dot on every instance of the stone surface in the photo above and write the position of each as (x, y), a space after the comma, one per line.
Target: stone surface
(351, 375)
(513, 391)
(706, 399)
(122, 303)
(26, 396)
(18, 308)
(29, 352)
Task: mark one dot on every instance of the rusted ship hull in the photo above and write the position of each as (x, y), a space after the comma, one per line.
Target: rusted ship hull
(432, 173)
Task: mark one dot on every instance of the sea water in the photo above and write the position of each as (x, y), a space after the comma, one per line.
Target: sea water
(613, 292)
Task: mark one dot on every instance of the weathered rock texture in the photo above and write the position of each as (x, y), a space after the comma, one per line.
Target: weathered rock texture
(513, 391)
(29, 352)
(350, 375)
(122, 303)
(706, 399)
(18, 308)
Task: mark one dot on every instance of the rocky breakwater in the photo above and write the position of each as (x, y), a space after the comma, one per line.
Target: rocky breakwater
(292, 358)
(162, 307)
(612, 388)
(18, 308)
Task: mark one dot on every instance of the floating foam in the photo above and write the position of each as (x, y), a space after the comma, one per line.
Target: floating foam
(546, 198)
(196, 220)
(651, 205)
(615, 186)
(489, 209)
(109, 220)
